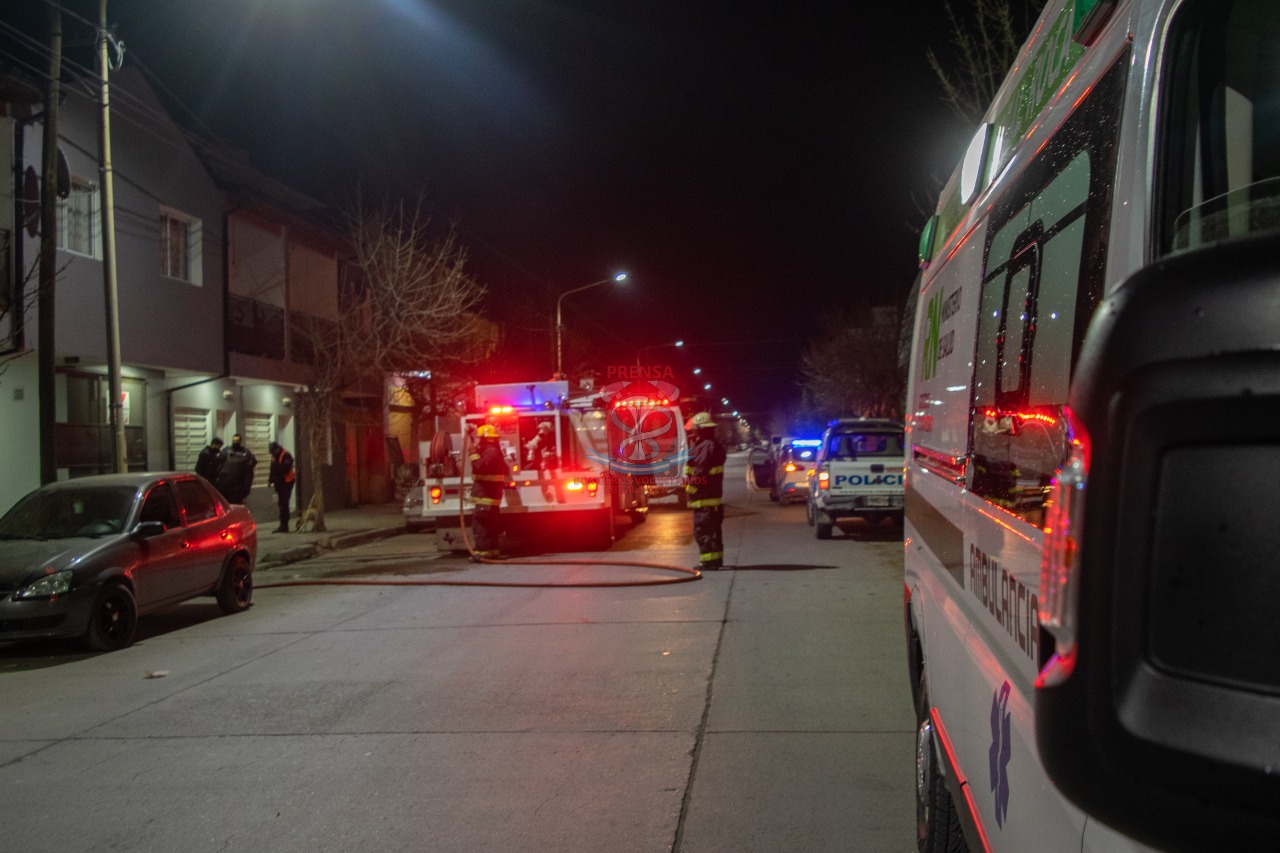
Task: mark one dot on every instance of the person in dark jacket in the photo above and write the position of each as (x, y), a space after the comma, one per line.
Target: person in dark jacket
(235, 479)
(210, 460)
(281, 478)
(489, 475)
(704, 482)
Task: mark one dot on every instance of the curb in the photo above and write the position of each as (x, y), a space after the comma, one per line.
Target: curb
(334, 542)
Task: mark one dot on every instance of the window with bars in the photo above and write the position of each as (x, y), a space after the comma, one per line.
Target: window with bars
(79, 228)
(179, 246)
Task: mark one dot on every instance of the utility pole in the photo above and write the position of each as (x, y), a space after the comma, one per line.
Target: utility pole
(115, 405)
(48, 254)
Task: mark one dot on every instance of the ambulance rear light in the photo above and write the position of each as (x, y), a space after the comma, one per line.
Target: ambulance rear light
(574, 485)
(1060, 563)
(436, 494)
(501, 410)
(592, 487)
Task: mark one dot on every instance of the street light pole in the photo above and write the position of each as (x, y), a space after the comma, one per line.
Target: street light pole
(560, 323)
(115, 405)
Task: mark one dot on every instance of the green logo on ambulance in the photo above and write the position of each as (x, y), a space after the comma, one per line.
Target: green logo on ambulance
(929, 350)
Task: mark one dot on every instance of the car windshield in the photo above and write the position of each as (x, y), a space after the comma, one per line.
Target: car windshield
(850, 446)
(68, 512)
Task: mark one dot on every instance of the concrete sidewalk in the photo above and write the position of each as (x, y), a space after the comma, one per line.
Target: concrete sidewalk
(344, 528)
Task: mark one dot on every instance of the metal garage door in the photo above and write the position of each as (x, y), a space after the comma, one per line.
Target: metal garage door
(257, 435)
(190, 436)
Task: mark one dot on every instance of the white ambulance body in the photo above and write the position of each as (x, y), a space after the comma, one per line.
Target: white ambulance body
(1119, 138)
(568, 472)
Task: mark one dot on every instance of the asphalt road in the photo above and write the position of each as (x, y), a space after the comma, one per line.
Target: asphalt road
(762, 708)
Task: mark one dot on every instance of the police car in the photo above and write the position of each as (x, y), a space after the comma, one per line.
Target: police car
(791, 474)
(858, 473)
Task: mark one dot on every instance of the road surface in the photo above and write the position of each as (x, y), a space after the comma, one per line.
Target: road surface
(762, 708)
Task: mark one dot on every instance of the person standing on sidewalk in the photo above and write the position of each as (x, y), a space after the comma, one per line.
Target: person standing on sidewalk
(235, 477)
(489, 475)
(281, 478)
(210, 460)
(705, 485)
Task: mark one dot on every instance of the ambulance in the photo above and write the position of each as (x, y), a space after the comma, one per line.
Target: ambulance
(576, 463)
(1093, 445)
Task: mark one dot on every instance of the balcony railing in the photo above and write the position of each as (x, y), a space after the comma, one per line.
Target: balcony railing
(255, 328)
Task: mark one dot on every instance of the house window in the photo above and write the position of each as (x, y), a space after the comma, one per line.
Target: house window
(78, 229)
(179, 246)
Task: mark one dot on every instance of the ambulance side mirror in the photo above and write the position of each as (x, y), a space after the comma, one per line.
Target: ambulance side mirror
(1165, 723)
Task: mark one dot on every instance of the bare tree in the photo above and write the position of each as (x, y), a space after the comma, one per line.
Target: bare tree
(985, 43)
(408, 304)
(853, 370)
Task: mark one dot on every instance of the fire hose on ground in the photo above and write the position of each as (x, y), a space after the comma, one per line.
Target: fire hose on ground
(683, 575)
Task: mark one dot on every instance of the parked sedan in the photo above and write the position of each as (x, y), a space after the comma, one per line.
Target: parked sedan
(86, 557)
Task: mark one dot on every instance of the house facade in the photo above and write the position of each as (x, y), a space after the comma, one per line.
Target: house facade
(213, 265)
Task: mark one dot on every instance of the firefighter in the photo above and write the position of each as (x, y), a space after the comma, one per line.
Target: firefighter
(489, 475)
(704, 475)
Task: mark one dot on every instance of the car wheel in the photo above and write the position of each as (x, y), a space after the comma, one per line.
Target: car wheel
(808, 512)
(235, 593)
(113, 622)
(783, 500)
(937, 822)
(822, 525)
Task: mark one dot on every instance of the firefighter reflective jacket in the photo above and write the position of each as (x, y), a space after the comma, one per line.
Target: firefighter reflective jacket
(704, 474)
(489, 474)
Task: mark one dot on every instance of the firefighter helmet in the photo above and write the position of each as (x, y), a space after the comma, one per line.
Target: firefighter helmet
(487, 431)
(702, 420)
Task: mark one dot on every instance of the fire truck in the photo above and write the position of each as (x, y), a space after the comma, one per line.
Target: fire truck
(576, 462)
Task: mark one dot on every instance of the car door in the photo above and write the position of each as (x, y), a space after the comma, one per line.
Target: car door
(207, 547)
(163, 557)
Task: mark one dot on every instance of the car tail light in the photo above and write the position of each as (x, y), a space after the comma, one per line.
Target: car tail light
(436, 494)
(790, 466)
(1060, 563)
(824, 478)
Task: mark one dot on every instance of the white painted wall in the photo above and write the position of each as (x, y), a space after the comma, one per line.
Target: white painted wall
(20, 427)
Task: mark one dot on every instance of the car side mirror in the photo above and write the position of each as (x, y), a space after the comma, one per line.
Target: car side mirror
(148, 529)
(1161, 715)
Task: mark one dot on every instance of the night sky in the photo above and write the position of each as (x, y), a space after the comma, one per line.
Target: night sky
(751, 165)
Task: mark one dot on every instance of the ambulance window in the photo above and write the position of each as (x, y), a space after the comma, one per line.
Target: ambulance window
(1042, 279)
(1220, 125)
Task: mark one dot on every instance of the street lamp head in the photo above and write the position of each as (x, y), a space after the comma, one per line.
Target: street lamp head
(620, 277)
(678, 343)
